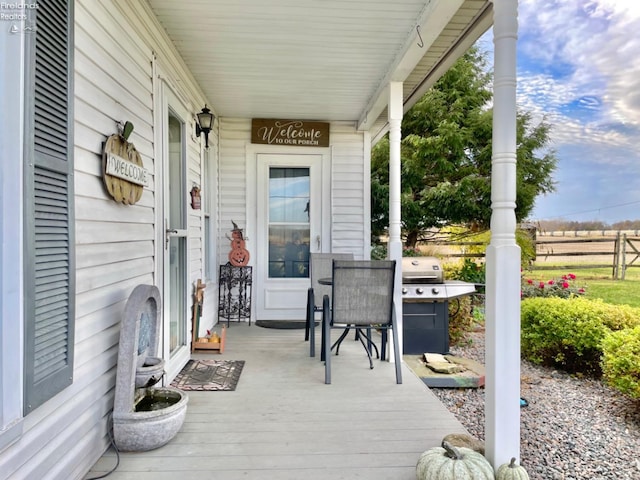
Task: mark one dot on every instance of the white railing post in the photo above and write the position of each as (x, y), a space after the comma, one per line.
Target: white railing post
(502, 404)
(394, 247)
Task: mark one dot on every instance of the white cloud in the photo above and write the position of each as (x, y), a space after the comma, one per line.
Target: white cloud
(590, 50)
(579, 68)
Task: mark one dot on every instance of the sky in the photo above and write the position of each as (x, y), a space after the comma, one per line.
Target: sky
(579, 68)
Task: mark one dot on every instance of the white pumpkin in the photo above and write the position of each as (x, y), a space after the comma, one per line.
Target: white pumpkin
(511, 471)
(450, 463)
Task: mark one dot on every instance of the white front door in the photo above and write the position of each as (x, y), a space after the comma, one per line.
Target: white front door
(176, 350)
(289, 199)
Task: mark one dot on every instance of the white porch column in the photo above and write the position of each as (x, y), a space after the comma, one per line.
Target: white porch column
(502, 407)
(394, 247)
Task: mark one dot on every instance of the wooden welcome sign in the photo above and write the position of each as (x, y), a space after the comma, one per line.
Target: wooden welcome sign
(289, 132)
(122, 170)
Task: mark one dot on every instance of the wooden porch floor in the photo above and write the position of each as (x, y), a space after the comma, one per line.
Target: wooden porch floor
(283, 423)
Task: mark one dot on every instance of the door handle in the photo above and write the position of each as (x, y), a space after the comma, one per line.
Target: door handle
(318, 243)
(167, 234)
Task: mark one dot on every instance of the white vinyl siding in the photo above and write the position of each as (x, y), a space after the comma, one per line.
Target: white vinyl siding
(349, 179)
(115, 245)
(235, 134)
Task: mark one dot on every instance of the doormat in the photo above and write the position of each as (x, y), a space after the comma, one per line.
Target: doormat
(209, 375)
(283, 324)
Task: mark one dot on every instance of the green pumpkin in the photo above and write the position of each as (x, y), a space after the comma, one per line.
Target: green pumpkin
(511, 471)
(451, 463)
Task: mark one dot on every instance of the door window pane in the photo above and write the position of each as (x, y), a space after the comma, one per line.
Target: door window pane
(288, 251)
(289, 222)
(178, 244)
(289, 195)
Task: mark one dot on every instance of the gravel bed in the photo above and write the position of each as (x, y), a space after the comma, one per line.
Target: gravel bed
(572, 429)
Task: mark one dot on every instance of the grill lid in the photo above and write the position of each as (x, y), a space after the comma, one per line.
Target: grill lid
(421, 270)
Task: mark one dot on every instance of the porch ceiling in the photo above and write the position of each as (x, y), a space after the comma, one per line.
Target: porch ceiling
(318, 59)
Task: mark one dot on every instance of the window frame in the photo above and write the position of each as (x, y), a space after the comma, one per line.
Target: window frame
(12, 133)
(209, 189)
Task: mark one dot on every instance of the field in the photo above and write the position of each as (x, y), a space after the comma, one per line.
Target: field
(560, 254)
(590, 256)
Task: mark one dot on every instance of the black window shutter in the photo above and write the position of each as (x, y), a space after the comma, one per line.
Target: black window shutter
(49, 220)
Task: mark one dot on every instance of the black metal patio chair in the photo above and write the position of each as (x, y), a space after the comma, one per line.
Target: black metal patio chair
(362, 298)
(320, 266)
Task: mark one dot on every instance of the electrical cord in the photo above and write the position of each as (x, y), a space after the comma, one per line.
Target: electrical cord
(453, 314)
(113, 444)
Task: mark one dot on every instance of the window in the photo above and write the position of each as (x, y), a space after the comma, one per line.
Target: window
(206, 213)
(49, 270)
(209, 189)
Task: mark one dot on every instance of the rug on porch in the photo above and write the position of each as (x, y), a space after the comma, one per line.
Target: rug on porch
(209, 375)
(282, 324)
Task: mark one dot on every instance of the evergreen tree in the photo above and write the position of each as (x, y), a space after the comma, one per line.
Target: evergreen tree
(446, 157)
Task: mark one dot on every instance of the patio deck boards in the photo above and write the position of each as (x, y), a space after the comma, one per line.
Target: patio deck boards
(283, 423)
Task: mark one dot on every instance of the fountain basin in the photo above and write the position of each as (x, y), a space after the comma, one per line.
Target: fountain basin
(158, 416)
(150, 372)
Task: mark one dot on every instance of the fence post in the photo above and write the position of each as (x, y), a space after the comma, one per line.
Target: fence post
(624, 256)
(616, 256)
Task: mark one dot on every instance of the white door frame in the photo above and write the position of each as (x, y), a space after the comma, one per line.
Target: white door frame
(266, 300)
(170, 101)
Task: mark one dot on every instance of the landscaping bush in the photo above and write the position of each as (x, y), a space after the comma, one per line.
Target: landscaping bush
(461, 319)
(468, 271)
(621, 360)
(463, 312)
(568, 333)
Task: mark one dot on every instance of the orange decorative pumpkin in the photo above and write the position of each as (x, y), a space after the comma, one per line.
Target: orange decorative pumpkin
(239, 257)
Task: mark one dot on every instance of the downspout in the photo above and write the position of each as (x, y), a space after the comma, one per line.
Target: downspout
(502, 405)
(394, 247)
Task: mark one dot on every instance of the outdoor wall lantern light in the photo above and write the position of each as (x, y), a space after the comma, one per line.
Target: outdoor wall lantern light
(205, 124)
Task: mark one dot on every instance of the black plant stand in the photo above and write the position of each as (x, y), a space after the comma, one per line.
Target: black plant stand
(234, 296)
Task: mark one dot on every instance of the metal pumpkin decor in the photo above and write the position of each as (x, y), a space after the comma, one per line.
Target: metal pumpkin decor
(239, 255)
(451, 463)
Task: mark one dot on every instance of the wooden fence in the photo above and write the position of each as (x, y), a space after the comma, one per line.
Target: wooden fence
(616, 250)
(630, 251)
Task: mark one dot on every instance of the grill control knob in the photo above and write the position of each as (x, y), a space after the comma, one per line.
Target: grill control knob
(419, 290)
(405, 290)
(435, 291)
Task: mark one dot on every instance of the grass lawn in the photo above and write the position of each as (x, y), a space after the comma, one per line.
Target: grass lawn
(599, 284)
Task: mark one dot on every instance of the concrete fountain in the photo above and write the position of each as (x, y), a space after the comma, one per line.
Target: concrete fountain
(144, 417)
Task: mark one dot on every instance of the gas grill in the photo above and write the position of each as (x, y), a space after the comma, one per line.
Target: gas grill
(425, 305)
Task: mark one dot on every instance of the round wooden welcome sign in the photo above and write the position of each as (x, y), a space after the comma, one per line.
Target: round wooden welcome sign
(122, 170)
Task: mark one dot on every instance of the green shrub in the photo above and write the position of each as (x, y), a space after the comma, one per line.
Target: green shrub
(461, 319)
(617, 317)
(378, 252)
(411, 252)
(621, 360)
(469, 271)
(463, 311)
(568, 333)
